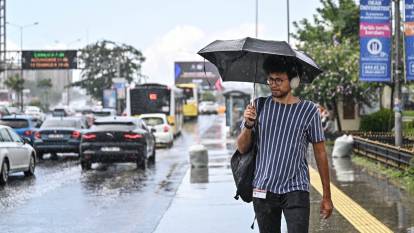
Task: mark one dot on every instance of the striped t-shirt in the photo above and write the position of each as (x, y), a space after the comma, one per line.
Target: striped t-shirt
(284, 132)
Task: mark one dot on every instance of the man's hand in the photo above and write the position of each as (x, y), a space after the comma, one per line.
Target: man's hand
(250, 115)
(326, 208)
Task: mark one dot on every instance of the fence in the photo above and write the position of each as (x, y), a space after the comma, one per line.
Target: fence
(390, 155)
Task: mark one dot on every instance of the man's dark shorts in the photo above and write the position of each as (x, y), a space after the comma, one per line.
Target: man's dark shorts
(295, 206)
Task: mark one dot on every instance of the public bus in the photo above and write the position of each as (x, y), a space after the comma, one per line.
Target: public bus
(157, 98)
(190, 92)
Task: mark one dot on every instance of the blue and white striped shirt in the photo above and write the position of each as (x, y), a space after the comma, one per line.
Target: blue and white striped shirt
(284, 132)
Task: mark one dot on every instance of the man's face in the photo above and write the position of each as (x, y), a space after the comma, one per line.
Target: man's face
(279, 84)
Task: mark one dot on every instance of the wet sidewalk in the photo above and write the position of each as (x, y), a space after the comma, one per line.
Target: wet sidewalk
(204, 202)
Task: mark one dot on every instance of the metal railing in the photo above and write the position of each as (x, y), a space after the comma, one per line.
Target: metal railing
(385, 137)
(390, 155)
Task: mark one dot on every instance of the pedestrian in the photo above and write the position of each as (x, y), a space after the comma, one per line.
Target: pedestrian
(285, 126)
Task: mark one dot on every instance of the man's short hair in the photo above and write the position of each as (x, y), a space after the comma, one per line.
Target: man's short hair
(274, 64)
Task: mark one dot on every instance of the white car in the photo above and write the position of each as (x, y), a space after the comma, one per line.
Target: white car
(208, 107)
(16, 155)
(163, 132)
(35, 112)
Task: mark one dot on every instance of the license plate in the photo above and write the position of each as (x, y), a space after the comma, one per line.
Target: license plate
(55, 136)
(110, 149)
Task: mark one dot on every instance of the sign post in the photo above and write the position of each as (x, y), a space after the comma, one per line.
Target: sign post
(375, 40)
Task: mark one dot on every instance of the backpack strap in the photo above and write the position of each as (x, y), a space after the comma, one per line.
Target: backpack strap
(261, 101)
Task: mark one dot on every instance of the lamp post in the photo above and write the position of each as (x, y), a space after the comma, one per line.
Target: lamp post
(21, 27)
(288, 21)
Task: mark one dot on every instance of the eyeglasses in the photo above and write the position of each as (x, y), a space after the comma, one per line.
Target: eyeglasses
(277, 81)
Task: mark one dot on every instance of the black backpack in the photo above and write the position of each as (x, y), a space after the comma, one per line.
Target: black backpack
(243, 165)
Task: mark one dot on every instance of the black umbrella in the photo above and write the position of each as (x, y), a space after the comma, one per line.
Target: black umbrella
(242, 60)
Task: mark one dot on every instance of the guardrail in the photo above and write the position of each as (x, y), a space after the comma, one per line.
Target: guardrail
(385, 137)
(390, 155)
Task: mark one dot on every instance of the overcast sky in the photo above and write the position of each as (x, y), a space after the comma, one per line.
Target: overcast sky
(165, 31)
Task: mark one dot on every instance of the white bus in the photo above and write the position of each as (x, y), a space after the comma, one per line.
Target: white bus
(157, 98)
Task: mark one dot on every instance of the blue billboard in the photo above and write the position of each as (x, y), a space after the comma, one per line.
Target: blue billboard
(375, 41)
(409, 39)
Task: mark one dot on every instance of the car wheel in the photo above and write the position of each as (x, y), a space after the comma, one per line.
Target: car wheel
(171, 144)
(4, 173)
(86, 165)
(151, 159)
(141, 163)
(39, 155)
(53, 156)
(32, 165)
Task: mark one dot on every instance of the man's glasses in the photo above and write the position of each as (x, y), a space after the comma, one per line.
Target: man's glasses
(273, 81)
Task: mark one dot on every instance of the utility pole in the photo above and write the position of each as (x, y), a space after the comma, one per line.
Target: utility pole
(257, 18)
(397, 81)
(288, 21)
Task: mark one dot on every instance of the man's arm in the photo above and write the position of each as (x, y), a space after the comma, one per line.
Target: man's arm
(322, 163)
(244, 140)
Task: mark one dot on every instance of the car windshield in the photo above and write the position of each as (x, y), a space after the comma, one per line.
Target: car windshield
(113, 126)
(64, 123)
(15, 123)
(152, 121)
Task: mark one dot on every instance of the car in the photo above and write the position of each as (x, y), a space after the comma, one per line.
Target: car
(62, 111)
(117, 140)
(105, 112)
(4, 111)
(35, 111)
(16, 155)
(163, 132)
(208, 107)
(23, 125)
(59, 135)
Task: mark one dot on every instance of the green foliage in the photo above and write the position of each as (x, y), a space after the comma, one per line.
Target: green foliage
(208, 96)
(380, 121)
(15, 83)
(403, 179)
(332, 40)
(101, 62)
(44, 83)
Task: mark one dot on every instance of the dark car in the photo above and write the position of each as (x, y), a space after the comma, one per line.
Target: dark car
(23, 125)
(59, 135)
(117, 139)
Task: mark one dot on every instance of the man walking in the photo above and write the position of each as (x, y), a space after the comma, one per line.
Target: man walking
(285, 126)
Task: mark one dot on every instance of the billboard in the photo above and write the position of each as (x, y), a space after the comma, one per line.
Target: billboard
(203, 73)
(109, 98)
(375, 40)
(49, 59)
(409, 39)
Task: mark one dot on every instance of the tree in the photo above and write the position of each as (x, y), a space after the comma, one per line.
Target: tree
(332, 40)
(45, 85)
(106, 60)
(16, 84)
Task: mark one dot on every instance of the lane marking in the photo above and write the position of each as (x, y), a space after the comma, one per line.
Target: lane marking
(361, 219)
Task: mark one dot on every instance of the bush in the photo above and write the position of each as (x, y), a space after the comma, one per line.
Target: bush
(380, 121)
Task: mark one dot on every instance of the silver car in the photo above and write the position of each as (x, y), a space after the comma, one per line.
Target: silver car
(16, 155)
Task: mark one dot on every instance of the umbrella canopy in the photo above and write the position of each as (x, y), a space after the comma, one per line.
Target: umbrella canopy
(242, 60)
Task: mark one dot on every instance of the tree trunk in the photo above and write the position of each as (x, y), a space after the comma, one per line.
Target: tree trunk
(338, 119)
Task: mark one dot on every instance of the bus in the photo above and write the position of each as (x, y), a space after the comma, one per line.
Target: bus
(157, 98)
(190, 92)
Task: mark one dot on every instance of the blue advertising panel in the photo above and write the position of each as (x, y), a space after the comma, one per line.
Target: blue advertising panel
(375, 41)
(409, 39)
(109, 98)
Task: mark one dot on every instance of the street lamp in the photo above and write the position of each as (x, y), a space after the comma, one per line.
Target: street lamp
(288, 21)
(21, 27)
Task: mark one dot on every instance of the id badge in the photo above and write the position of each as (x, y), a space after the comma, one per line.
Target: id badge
(258, 193)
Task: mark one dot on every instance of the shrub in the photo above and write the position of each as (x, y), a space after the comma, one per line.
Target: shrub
(380, 121)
